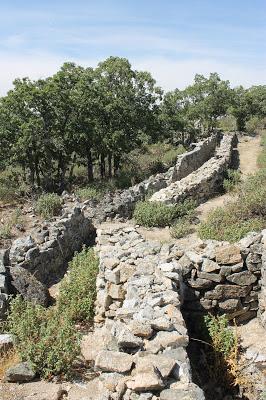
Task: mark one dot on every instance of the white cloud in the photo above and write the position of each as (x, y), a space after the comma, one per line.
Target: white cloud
(168, 73)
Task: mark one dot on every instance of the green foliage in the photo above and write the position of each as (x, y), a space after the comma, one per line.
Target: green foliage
(44, 337)
(247, 212)
(89, 192)
(150, 214)
(78, 289)
(186, 223)
(223, 338)
(5, 231)
(228, 123)
(12, 186)
(233, 178)
(181, 228)
(254, 125)
(48, 205)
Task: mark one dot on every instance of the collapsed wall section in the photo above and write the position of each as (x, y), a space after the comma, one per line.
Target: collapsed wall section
(122, 204)
(206, 181)
(140, 336)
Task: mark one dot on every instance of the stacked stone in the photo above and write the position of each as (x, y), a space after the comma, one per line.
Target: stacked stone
(37, 260)
(223, 279)
(204, 182)
(139, 344)
(122, 204)
(194, 159)
(262, 295)
(3, 282)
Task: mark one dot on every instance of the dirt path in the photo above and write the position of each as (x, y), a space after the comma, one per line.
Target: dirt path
(249, 148)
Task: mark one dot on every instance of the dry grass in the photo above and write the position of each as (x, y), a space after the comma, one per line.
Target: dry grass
(8, 359)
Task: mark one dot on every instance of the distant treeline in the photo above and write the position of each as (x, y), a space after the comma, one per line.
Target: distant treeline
(96, 116)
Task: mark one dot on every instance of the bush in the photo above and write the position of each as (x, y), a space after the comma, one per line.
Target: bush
(181, 228)
(233, 178)
(254, 125)
(78, 289)
(228, 123)
(48, 205)
(44, 337)
(5, 231)
(12, 186)
(184, 226)
(158, 214)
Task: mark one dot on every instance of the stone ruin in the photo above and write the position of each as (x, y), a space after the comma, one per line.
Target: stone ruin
(138, 348)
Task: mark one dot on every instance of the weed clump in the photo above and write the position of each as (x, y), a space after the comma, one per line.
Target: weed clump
(49, 205)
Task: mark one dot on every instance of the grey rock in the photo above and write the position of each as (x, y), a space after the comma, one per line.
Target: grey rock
(29, 287)
(210, 276)
(113, 361)
(227, 292)
(244, 278)
(21, 372)
(19, 248)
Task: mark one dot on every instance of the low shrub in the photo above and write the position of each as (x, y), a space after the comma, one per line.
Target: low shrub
(5, 231)
(78, 289)
(44, 337)
(233, 178)
(228, 123)
(254, 125)
(89, 193)
(185, 225)
(48, 205)
(12, 185)
(158, 214)
(245, 213)
(181, 228)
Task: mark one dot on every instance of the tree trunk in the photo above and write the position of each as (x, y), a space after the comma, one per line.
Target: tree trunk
(89, 166)
(102, 166)
(72, 167)
(116, 164)
(109, 165)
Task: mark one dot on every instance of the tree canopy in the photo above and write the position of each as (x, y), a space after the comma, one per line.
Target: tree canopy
(96, 116)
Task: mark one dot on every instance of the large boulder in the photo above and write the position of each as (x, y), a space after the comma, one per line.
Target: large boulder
(29, 287)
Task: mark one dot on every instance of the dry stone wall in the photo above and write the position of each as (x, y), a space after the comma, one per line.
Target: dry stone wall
(122, 204)
(33, 262)
(140, 338)
(222, 278)
(206, 181)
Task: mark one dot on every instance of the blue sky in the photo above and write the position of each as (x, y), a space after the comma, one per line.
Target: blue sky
(173, 39)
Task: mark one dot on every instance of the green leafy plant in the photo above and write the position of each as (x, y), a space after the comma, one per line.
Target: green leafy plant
(158, 214)
(233, 178)
(182, 227)
(46, 338)
(78, 288)
(48, 205)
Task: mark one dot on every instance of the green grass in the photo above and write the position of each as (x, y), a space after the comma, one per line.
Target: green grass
(245, 213)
